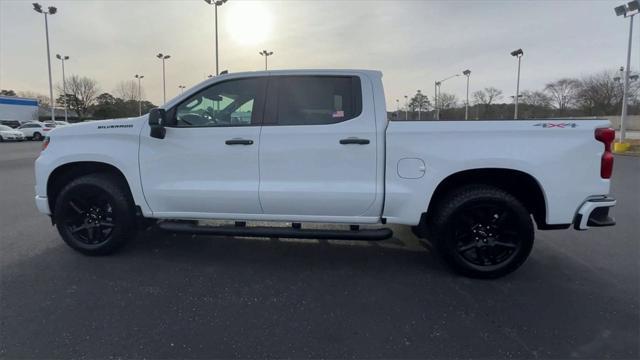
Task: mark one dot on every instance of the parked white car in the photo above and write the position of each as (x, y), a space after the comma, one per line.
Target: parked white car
(316, 146)
(9, 134)
(36, 130)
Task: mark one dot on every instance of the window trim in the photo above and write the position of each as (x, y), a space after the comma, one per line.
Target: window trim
(257, 117)
(271, 110)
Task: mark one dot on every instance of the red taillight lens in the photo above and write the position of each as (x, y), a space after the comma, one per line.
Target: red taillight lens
(45, 143)
(46, 129)
(606, 136)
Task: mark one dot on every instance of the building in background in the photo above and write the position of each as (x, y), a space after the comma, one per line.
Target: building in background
(18, 109)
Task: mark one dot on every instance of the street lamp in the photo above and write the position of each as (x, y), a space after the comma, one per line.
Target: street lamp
(50, 11)
(418, 93)
(517, 53)
(215, 4)
(64, 84)
(266, 54)
(139, 77)
(467, 73)
(406, 107)
(438, 91)
(629, 10)
(181, 87)
(164, 84)
(398, 109)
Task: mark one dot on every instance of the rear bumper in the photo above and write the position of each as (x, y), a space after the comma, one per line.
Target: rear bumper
(42, 203)
(594, 213)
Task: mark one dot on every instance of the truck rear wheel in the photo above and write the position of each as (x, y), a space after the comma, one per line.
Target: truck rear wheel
(483, 232)
(94, 214)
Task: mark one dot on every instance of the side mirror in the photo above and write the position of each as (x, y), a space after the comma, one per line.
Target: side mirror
(156, 122)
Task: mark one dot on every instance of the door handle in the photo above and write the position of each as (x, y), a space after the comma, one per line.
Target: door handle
(354, 141)
(239, 142)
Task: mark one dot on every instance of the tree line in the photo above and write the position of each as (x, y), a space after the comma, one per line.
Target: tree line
(84, 96)
(598, 94)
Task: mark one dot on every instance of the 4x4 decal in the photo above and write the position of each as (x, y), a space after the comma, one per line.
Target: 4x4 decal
(556, 125)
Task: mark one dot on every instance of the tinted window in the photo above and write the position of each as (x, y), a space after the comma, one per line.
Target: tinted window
(318, 100)
(231, 103)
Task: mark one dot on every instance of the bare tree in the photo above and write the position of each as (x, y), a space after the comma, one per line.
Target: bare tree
(600, 94)
(446, 101)
(563, 93)
(81, 93)
(536, 98)
(487, 96)
(128, 90)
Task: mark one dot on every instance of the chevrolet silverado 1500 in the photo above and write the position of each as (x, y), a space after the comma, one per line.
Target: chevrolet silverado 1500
(316, 146)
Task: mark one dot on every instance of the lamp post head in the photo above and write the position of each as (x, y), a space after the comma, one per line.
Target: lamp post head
(58, 56)
(159, 56)
(37, 7)
(66, 58)
(166, 56)
(517, 53)
(466, 72)
(52, 10)
(219, 2)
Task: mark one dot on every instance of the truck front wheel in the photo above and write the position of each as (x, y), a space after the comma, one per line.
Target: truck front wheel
(94, 214)
(482, 231)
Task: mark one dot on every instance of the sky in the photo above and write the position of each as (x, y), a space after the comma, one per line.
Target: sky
(413, 43)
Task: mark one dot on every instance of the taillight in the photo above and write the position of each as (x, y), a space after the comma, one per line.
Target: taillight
(606, 136)
(46, 129)
(45, 143)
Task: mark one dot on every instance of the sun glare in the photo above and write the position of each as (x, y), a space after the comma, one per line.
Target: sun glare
(248, 22)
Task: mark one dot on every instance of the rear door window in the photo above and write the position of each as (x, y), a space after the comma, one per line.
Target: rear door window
(317, 100)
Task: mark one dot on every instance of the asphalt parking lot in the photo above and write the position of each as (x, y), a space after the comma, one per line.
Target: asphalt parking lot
(170, 296)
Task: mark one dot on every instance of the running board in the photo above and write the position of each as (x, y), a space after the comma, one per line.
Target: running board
(277, 232)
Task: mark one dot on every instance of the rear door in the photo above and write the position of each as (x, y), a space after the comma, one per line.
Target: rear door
(318, 147)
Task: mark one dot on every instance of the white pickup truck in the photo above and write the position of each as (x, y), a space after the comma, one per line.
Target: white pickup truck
(315, 146)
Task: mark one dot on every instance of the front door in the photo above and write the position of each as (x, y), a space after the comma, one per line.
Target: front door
(318, 147)
(207, 164)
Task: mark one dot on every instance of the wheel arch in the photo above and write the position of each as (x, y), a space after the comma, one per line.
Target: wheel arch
(525, 187)
(65, 173)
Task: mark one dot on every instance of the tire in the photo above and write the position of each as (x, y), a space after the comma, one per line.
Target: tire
(1, 139)
(37, 136)
(95, 215)
(482, 231)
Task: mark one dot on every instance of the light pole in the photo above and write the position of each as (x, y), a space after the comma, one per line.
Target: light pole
(139, 77)
(266, 54)
(629, 10)
(517, 53)
(438, 92)
(181, 87)
(467, 73)
(419, 97)
(51, 10)
(215, 4)
(398, 109)
(164, 84)
(64, 84)
(406, 107)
